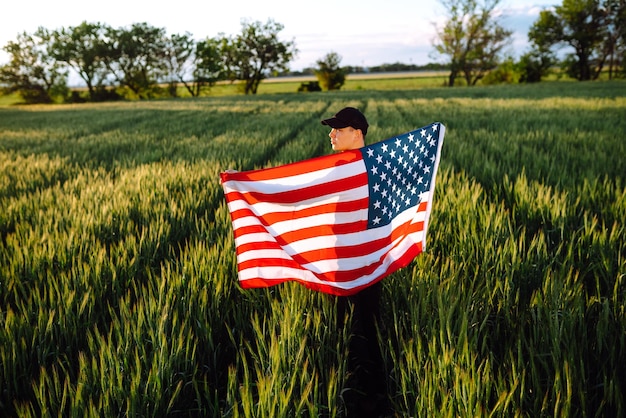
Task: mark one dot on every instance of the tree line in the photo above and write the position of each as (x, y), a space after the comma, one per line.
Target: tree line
(473, 40)
(142, 61)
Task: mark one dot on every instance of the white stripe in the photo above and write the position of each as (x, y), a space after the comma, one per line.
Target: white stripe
(290, 225)
(252, 238)
(263, 208)
(262, 255)
(300, 181)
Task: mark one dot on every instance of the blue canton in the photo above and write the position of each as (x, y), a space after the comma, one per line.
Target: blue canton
(399, 170)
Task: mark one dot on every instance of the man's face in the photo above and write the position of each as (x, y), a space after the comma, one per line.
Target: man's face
(343, 139)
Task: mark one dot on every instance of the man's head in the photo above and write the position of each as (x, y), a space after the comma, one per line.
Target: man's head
(349, 129)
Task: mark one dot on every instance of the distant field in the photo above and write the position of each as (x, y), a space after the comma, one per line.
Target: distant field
(408, 80)
(364, 76)
(360, 81)
(118, 288)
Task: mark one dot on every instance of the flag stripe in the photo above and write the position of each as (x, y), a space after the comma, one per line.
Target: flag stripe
(298, 173)
(344, 233)
(283, 195)
(323, 260)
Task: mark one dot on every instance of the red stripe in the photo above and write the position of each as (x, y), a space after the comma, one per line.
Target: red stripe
(264, 245)
(293, 169)
(298, 195)
(273, 217)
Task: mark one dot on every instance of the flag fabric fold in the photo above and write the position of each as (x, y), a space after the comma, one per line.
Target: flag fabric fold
(336, 223)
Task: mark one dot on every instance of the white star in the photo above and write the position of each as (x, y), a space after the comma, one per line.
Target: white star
(434, 126)
(427, 169)
(376, 187)
(383, 176)
(374, 169)
(405, 148)
(392, 154)
(377, 204)
(411, 137)
(388, 165)
(420, 180)
(423, 133)
(376, 220)
(384, 147)
(379, 159)
(370, 152)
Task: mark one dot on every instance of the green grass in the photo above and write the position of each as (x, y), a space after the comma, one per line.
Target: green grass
(118, 291)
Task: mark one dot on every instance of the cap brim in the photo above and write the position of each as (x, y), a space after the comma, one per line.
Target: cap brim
(335, 123)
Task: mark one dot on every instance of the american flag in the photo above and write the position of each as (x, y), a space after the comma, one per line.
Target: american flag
(336, 223)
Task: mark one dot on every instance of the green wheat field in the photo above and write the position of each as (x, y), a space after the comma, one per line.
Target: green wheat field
(118, 285)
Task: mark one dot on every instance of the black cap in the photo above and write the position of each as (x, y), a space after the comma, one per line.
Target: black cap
(348, 116)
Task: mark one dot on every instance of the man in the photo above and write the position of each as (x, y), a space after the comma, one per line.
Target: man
(367, 394)
(349, 127)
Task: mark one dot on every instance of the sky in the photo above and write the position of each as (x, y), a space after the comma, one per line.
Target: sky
(363, 32)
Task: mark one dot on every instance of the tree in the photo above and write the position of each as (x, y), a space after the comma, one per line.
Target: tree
(256, 53)
(615, 40)
(178, 57)
(535, 64)
(134, 57)
(208, 64)
(472, 38)
(81, 47)
(330, 75)
(584, 25)
(32, 72)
